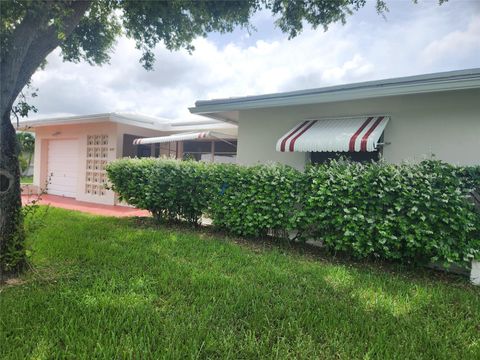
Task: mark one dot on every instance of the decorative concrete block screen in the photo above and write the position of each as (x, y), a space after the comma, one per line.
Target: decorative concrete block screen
(97, 160)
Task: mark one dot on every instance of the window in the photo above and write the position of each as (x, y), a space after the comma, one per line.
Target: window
(216, 151)
(130, 150)
(362, 156)
(169, 149)
(322, 157)
(197, 150)
(225, 152)
(144, 150)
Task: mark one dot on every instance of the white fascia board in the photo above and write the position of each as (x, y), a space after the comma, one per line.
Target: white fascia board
(218, 116)
(218, 125)
(138, 121)
(131, 119)
(195, 122)
(62, 120)
(336, 94)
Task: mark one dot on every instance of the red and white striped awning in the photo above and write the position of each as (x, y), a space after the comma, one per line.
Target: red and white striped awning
(181, 137)
(354, 134)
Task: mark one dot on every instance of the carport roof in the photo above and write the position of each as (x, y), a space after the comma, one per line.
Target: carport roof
(133, 119)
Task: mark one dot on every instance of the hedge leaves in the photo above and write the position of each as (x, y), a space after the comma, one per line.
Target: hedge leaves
(410, 213)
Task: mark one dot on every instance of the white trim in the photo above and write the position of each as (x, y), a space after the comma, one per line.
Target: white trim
(132, 119)
(213, 126)
(201, 121)
(448, 81)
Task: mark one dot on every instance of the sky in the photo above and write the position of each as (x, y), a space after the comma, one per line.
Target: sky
(410, 39)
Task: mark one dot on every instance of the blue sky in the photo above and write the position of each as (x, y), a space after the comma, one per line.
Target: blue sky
(412, 39)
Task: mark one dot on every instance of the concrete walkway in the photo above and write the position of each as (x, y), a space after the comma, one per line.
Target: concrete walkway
(91, 208)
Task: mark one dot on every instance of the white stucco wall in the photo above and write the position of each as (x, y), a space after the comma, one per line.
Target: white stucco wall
(445, 124)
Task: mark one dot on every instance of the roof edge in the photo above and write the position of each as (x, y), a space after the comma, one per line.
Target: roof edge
(131, 119)
(445, 81)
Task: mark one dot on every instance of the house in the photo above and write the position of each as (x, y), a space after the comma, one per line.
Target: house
(402, 119)
(71, 152)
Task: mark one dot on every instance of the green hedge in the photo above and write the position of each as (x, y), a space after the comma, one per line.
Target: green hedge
(470, 176)
(397, 212)
(169, 189)
(253, 201)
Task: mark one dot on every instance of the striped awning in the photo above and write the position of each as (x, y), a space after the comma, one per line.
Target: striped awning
(353, 134)
(181, 137)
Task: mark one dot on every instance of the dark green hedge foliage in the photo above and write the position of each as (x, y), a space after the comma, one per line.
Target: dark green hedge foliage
(409, 213)
(170, 189)
(470, 176)
(253, 201)
(399, 212)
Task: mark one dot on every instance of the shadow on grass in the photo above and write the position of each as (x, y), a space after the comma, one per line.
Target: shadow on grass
(308, 251)
(151, 292)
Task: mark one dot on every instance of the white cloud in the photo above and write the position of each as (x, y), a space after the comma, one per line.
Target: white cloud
(457, 43)
(367, 48)
(357, 67)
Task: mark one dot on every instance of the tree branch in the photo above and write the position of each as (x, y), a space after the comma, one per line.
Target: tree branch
(12, 59)
(42, 44)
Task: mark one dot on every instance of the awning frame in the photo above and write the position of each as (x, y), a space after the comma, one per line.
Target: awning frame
(185, 137)
(359, 133)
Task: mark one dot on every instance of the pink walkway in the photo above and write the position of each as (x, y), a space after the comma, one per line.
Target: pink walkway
(91, 208)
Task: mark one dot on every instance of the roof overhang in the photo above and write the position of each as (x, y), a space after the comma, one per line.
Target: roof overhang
(421, 84)
(131, 119)
(143, 121)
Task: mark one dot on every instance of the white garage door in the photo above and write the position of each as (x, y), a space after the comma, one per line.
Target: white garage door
(63, 167)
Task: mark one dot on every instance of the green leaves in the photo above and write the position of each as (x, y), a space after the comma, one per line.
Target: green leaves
(94, 37)
(170, 189)
(409, 213)
(412, 213)
(174, 23)
(258, 200)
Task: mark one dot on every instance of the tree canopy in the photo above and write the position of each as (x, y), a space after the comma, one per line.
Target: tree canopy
(86, 30)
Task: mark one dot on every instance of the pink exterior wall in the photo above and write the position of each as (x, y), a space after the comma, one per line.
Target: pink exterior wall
(79, 132)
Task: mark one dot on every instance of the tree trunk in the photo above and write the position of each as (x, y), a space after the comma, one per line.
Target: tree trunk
(12, 251)
(33, 39)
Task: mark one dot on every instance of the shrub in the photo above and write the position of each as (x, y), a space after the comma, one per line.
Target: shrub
(400, 212)
(170, 189)
(470, 176)
(130, 178)
(409, 213)
(253, 201)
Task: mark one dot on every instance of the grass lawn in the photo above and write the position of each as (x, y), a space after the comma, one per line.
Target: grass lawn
(26, 179)
(107, 288)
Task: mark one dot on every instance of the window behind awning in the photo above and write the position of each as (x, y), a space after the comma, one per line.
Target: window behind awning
(353, 134)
